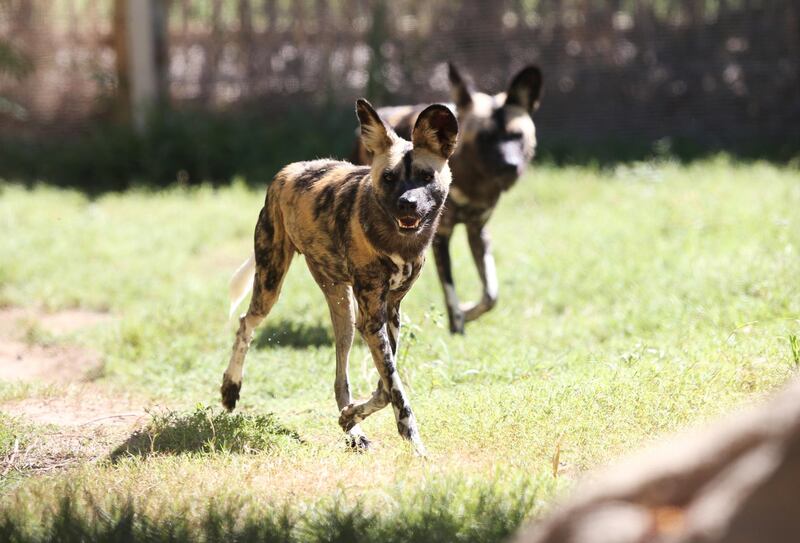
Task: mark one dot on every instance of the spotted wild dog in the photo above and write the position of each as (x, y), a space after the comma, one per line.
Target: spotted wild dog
(497, 141)
(363, 232)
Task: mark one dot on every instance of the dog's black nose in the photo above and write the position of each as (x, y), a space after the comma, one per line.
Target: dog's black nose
(407, 203)
(509, 166)
(510, 169)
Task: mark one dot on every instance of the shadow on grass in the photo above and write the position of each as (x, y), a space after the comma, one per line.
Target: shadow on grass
(206, 430)
(452, 511)
(292, 334)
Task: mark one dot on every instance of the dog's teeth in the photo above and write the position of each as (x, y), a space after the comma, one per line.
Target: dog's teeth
(408, 223)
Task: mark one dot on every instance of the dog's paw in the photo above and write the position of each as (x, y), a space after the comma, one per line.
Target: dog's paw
(358, 442)
(411, 434)
(419, 448)
(457, 323)
(230, 393)
(348, 418)
(456, 318)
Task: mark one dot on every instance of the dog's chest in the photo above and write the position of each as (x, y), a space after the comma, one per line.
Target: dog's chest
(402, 272)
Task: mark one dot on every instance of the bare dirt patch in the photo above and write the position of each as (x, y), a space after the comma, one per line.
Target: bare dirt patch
(84, 406)
(60, 449)
(84, 424)
(23, 358)
(49, 363)
(84, 420)
(71, 320)
(15, 321)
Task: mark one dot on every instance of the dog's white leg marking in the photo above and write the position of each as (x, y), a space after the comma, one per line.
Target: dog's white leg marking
(491, 277)
(473, 310)
(441, 253)
(232, 378)
(480, 245)
(241, 345)
(450, 295)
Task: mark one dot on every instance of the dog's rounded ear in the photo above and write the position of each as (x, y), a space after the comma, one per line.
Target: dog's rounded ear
(436, 130)
(526, 89)
(460, 87)
(374, 132)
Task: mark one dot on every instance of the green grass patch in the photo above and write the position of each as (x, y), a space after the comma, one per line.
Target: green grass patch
(635, 300)
(207, 429)
(12, 435)
(15, 435)
(16, 390)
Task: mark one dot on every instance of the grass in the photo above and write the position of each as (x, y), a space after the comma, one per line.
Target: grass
(12, 435)
(634, 301)
(206, 430)
(441, 511)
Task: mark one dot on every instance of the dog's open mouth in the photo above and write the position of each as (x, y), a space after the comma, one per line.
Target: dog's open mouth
(408, 222)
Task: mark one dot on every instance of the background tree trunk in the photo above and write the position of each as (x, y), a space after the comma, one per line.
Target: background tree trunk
(140, 44)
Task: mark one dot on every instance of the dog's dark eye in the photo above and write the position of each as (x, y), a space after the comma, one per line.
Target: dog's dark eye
(427, 177)
(388, 177)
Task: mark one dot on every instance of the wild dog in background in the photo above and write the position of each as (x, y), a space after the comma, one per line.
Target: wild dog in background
(364, 232)
(498, 140)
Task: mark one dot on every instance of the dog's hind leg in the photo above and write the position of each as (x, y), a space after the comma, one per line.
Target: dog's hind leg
(273, 254)
(441, 253)
(481, 247)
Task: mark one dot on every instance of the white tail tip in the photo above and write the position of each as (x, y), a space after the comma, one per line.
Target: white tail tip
(241, 283)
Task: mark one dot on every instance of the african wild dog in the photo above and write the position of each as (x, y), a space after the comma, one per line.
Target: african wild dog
(364, 232)
(498, 140)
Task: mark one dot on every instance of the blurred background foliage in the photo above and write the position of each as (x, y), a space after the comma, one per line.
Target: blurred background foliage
(16, 66)
(245, 86)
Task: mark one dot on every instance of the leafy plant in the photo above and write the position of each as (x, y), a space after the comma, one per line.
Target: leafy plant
(794, 345)
(207, 430)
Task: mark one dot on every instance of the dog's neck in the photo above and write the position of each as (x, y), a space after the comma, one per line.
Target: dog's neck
(469, 179)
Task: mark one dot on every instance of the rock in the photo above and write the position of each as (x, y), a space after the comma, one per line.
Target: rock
(737, 481)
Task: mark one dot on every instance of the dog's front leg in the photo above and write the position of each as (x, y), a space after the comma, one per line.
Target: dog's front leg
(480, 245)
(375, 331)
(377, 337)
(394, 327)
(342, 308)
(441, 253)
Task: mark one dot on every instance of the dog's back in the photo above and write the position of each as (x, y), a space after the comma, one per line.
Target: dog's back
(316, 202)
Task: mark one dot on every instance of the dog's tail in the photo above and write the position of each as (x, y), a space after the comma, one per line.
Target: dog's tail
(241, 283)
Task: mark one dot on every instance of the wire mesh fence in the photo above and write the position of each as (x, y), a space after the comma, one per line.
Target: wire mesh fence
(717, 72)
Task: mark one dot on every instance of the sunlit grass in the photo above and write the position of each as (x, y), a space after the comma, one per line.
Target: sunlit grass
(633, 301)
